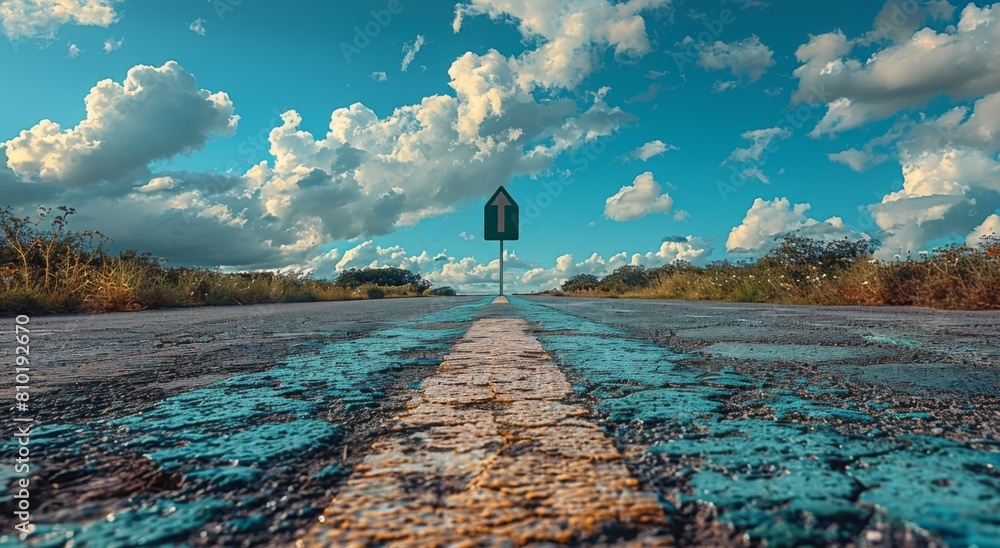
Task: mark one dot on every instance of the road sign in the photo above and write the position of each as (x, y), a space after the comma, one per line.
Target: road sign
(501, 217)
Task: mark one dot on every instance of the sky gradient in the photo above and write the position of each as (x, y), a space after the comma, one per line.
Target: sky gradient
(320, 137)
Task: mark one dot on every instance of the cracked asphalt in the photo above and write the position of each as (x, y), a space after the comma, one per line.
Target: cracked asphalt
(750, 424)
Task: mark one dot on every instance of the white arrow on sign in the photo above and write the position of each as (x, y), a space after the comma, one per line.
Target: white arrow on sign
(501, 204)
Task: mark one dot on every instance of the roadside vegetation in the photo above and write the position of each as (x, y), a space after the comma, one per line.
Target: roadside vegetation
(806, 271)
(46, 267)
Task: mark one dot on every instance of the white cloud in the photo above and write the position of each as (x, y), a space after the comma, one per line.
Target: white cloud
(197, 26)
(947, 191)
(976, 128)
(466, 236)
(468, 274)
(858, 160)
(721, 87)
(155, 113)
(367, 254)
(571, 35)
(899, 19)
(410, 50)
(990, 227)
(762, 139)
(680, 216)
(111, 44)
(651, 150)
(951, 178)
(379, 76)
(565, 267)
(766, 220)
(686, 248)
(747, 58)
(962, 62)
(364, 175)
(158, 184)
(644, 197)
(690, 248)
(42, 18)
(74, 51)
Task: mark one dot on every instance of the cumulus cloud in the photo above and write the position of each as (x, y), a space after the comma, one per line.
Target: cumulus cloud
(379, 76)
(42, 18)
(154, 114)
(962, 62)
(747, 58)
(899, 19)
(466, 236)
(685, 248)
(766, 220)
(363, 176)
(570, 35)
(989, 228)
(644, 197)
(946, 192)
(951, 178)
(978, 127)
(74, 51)
(649, 150)
(468, 274)
(369, 255)
(858, 160)
(410, 50)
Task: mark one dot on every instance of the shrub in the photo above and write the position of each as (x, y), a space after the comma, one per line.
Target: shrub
(443, 292)
(374, 292)
(387, 276)
(624, 279)
(581, 282)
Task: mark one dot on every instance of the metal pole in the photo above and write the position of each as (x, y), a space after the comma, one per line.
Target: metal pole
(501, 268)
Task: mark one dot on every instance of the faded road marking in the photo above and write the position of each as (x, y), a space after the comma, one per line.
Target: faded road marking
(488, 453)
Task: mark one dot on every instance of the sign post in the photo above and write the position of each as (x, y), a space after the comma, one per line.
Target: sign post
(501, 218)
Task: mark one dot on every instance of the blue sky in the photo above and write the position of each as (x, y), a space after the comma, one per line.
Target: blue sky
(637, 132)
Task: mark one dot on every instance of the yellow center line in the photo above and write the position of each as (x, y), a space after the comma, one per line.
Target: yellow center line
(488, 453)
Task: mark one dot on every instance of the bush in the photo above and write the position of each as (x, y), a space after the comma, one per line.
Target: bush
(387, 276)
(375, 292)
(443, 292)
(581, 282)
(624, 279)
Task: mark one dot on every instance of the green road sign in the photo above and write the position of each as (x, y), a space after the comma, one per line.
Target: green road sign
(501, 217)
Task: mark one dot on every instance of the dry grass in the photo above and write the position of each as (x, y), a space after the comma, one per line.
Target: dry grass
(954, 277)
(51, 269)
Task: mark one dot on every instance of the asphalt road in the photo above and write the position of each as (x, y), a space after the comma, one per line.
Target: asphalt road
(749, 423)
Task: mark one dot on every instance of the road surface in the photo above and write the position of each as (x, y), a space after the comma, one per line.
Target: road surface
(541, 420)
